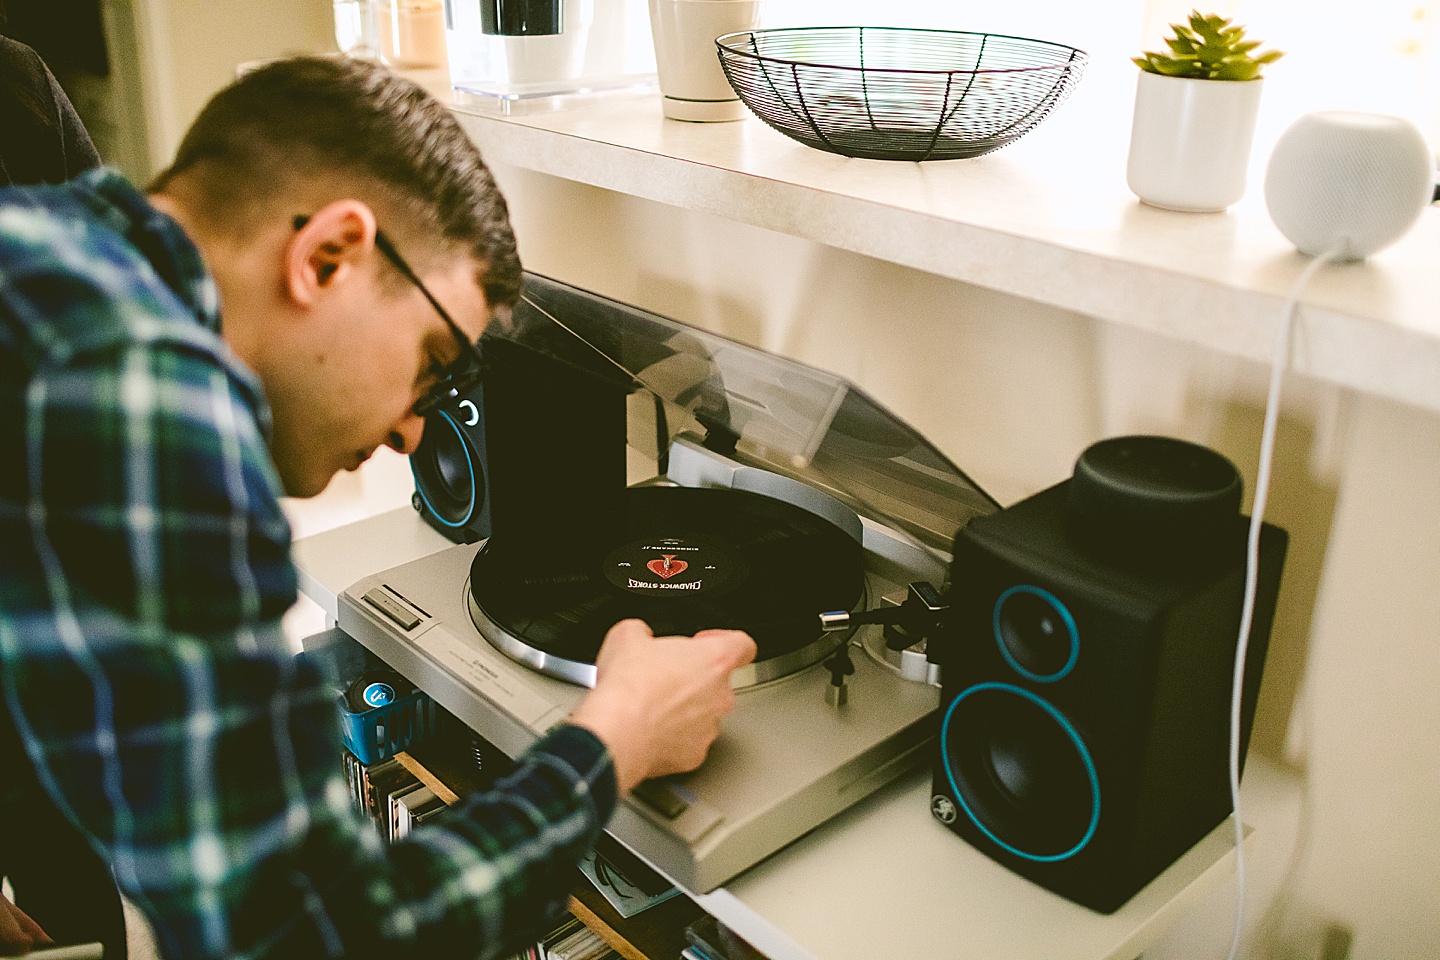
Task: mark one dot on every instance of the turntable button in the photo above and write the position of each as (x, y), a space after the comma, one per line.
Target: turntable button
(392, 608)
(661, 797)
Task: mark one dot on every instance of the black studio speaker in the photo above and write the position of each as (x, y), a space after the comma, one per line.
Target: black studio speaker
(534, 455)
(452, 491)
(1087, 668)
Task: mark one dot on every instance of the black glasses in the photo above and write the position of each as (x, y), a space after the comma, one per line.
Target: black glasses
(456, 377)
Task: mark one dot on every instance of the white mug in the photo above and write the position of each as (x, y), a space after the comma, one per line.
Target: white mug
(692, 83)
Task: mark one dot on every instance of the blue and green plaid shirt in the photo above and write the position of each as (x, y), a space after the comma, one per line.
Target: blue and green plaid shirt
(144, 568)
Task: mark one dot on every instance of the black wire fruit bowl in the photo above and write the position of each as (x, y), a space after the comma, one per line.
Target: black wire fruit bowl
(895, 93)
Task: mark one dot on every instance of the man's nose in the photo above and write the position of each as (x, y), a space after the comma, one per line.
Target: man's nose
(405, 438)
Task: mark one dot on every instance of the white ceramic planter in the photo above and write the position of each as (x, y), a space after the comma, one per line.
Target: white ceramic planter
(692, 83)
(1190, 141)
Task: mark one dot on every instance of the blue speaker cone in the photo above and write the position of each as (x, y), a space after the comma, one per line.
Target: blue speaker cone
(447, 478)
(1020, 771)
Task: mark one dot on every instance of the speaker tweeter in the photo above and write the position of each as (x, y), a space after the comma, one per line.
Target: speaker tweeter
(535, 453)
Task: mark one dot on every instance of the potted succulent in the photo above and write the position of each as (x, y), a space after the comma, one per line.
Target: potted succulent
(1195, 109)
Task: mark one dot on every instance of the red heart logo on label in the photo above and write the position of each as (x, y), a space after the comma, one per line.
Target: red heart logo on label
(667, 566)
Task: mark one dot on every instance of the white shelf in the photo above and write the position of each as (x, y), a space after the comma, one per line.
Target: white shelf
(1048, 218)
(884, 878)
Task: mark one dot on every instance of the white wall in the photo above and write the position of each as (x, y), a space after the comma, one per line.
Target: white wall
(169, 56)
(1345, 795)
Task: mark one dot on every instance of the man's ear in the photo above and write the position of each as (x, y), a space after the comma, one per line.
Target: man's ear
(328, 248)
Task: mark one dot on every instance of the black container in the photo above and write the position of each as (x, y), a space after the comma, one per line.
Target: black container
(521, 18)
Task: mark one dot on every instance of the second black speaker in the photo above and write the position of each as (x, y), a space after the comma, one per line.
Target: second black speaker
(535, 453)
(1088, 665)
(450, 467)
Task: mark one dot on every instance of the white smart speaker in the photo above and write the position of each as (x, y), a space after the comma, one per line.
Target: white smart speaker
(1348, 184)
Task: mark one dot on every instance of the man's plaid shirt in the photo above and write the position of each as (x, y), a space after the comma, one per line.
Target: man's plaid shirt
(148, 691)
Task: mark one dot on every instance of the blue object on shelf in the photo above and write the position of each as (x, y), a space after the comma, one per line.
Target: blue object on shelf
(386, 724)
(387, 730)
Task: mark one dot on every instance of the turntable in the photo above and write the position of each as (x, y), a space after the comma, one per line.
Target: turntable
(629, 465)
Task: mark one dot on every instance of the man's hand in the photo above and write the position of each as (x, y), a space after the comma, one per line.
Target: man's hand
(18, 933)
(658, 701)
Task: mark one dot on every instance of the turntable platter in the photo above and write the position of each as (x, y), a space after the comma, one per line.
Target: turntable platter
(683, 560)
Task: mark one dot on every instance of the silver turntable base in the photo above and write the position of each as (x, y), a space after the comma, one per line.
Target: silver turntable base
(786, 760)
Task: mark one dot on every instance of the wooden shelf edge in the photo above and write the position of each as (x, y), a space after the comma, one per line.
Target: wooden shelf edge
(428, 778)
(606, 932)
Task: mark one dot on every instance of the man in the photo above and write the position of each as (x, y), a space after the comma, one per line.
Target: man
(299, 287)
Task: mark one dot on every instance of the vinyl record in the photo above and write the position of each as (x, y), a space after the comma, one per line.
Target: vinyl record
(686, 560)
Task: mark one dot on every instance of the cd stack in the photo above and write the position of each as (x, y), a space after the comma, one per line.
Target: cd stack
(376, 787)
(412, 807)
(572, 940)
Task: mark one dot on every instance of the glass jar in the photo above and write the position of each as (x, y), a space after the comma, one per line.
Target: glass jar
(411, 33)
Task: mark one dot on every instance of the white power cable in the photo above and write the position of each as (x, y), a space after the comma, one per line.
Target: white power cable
(1278, 363)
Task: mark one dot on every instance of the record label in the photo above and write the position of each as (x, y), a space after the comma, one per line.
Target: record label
(664, 566)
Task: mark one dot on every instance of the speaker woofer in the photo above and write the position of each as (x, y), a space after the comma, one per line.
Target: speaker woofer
(1020, 771)
(449, 478)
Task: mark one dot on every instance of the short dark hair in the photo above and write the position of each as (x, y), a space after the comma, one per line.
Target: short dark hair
(342, 120)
